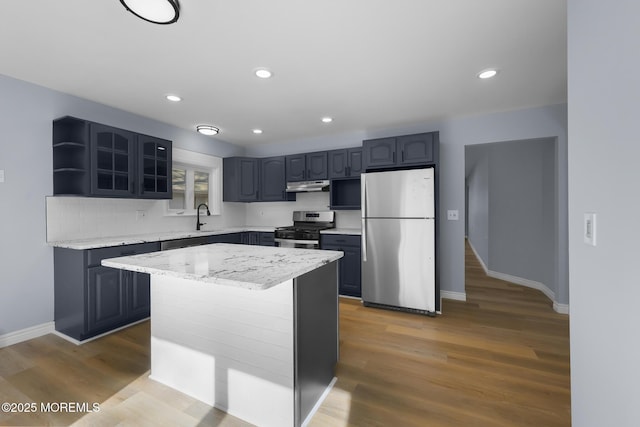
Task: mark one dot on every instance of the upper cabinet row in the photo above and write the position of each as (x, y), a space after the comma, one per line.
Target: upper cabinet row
(401, 151)
(91, 159)
(247, 179)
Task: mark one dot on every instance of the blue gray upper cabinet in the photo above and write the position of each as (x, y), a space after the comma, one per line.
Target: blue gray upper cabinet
(240, 179)
(416, 149)
(273, 180)
(112, 161)
(345, 163)
(296, 167)
(407, 150)
(306, 166)
(154, 167)
(92, 159)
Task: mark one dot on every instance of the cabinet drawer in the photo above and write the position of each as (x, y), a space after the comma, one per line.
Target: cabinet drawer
(339, 239)
(94, 256)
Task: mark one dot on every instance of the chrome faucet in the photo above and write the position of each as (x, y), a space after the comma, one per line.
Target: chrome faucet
(198, 223)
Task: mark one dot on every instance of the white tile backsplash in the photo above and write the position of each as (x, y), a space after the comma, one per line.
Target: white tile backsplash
(70, 218)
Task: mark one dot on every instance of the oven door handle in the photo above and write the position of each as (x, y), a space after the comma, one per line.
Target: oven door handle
(304, 242)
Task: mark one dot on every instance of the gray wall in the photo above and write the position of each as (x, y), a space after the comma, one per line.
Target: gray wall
(455, 134)
(25, 154)
(603, 63)
(26, 262)
(513, 208)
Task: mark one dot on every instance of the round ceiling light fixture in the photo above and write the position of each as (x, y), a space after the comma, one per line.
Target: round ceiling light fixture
(487, 74)
(207, 130)
(173, 98)
(257, 131)
(155, 11)
(263, 73)
(327, 119)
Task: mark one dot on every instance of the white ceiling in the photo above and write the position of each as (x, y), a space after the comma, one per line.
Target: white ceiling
(367, 63)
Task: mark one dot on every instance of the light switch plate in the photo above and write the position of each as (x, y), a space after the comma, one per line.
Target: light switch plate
(452, 215)
(589, 232)
(1, 175)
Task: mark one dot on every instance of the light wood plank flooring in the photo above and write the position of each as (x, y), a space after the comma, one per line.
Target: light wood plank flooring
(499, 359)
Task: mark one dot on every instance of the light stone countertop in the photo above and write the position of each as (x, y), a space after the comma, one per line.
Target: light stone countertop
(103, 242)
(249, 267)
(354, 231)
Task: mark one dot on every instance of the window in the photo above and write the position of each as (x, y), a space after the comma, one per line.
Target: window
(197, 178)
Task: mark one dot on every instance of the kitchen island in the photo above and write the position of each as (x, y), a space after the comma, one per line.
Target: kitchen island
(250, 330)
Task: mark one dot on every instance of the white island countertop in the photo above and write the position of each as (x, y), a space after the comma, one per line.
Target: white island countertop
(245, 266)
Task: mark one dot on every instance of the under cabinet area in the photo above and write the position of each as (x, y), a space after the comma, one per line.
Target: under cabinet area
(349, 279)
(91, 299)
(92, 159)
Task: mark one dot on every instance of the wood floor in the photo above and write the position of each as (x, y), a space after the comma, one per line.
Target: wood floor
(499, 359)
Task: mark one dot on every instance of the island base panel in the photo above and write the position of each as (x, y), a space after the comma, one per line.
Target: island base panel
(229, 347)
(316, 345)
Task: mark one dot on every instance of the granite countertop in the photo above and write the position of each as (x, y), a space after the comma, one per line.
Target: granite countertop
(354, 231)
(249, 267)
(103, 242)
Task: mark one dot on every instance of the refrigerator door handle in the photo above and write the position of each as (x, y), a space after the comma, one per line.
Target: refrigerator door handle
(364, 240)
(363, 201)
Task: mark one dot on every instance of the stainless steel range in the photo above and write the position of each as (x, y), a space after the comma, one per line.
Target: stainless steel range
(305, 231)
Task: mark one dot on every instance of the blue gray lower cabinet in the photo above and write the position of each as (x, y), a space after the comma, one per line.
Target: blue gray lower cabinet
(261, 238)
(91, 299)
(349, 279)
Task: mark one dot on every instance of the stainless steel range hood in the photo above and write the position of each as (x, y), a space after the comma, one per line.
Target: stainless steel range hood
(307, 186)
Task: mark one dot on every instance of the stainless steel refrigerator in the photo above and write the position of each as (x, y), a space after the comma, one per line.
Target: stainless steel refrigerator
(398, 240)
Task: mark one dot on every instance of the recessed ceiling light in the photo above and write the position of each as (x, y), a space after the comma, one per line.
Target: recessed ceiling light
(257, 131)
(207, 130)
(487, 74)
(156, 11)
(327, 119)
(263, 73)
(174, 98)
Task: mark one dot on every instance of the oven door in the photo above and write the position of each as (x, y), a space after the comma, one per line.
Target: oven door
(293, 243)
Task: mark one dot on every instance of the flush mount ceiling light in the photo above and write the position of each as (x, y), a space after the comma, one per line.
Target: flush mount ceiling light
(173, 98)
(263, 73)
(257, 131)
(327, 119)
(487, 74)
(207, 130)
(155, 11)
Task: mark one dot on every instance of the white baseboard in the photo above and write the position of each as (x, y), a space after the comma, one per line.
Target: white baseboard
(26, 334)
(524, 282)
(557, 307)
(458, 296)
(561, 308)
(484, 267)
(77, 342)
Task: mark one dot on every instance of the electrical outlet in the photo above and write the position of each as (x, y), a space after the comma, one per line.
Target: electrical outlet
(590, 228)
(452, 215)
